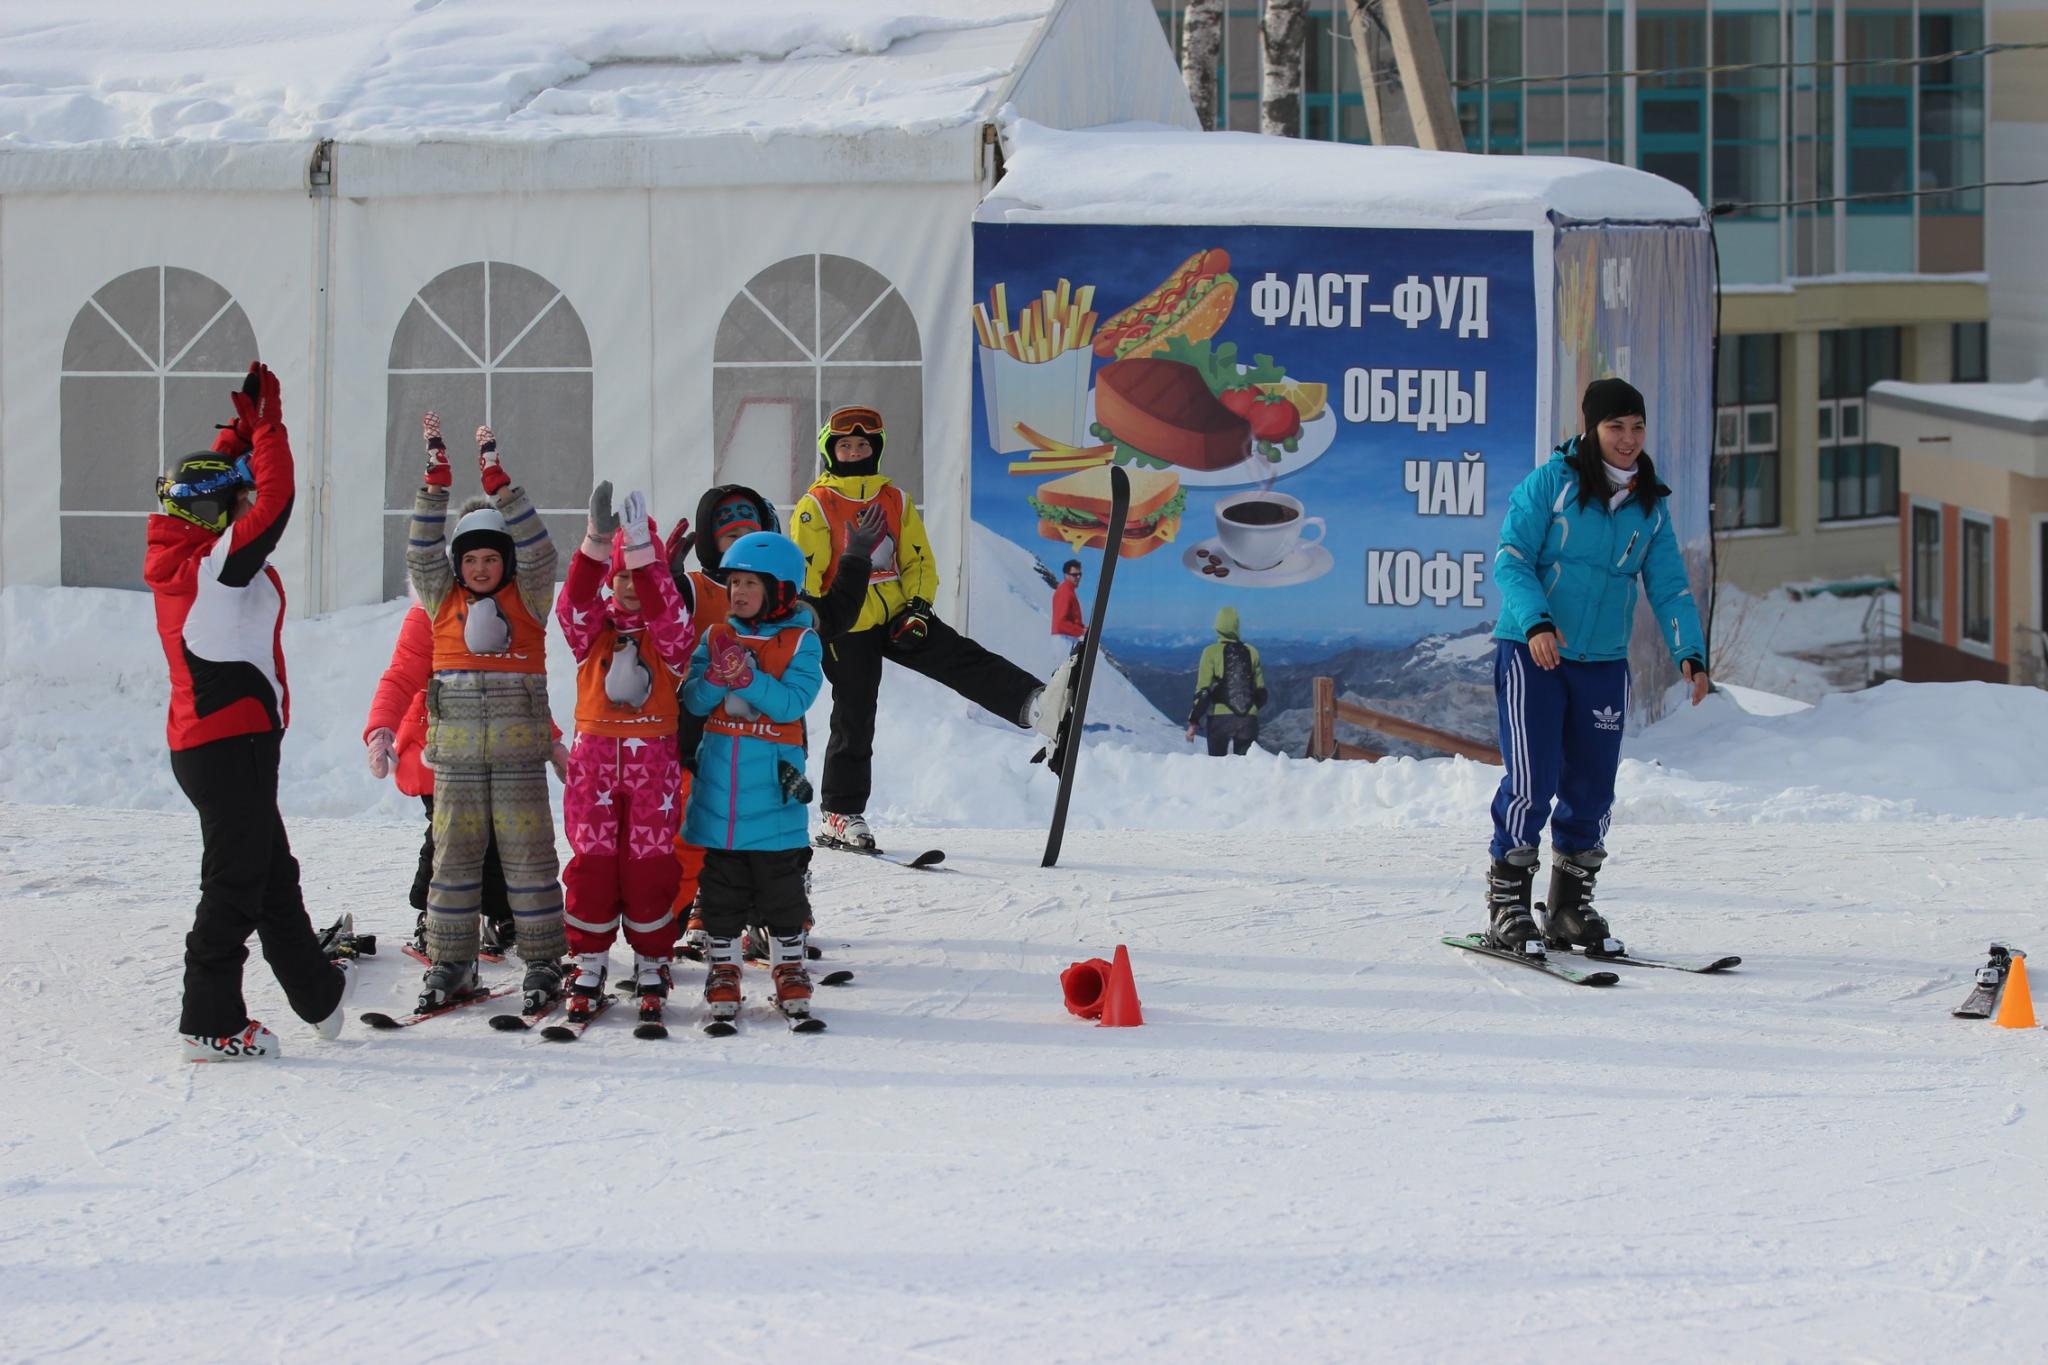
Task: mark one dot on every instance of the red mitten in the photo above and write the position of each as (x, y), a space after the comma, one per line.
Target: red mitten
(259, 402)
(492, 472)
(439, 473)
(732, 663)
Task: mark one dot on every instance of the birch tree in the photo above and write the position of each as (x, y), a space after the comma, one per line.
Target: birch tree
(1201, 43)
(1283, 39)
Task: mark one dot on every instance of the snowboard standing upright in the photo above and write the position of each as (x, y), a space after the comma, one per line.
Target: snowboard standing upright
(1065, 748)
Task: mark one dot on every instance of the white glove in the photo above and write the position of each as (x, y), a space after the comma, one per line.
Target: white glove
(639, 541)
(382, 747)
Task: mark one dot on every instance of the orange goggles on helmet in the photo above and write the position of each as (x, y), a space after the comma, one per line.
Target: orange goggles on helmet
(854, 421)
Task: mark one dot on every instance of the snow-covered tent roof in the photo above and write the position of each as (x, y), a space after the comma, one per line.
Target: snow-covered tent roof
(2010, 407)
(1138, 174)
(536, 94)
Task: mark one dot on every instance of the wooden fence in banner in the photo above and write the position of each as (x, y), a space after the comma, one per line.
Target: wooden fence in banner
(1323, 741)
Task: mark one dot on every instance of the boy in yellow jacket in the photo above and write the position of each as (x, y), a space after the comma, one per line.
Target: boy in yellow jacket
(896, 622)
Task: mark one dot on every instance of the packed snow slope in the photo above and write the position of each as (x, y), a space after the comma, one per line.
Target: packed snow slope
(83, 687)
(1333, 1140)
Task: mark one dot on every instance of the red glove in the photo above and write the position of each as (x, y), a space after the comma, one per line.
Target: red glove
(231, 440)
(493, 473)
(732, 663)
(257, 403)
(439, 472)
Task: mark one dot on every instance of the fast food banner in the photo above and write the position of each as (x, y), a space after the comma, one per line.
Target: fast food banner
(1322, 428)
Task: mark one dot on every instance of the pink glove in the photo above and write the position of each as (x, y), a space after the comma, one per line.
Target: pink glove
(382, 748)
(732, 663)
(494, 475)
(438, 472)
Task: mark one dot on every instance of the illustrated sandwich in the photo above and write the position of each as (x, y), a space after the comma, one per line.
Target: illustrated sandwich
(1192, 302)
(1075, 509)
(1164, 409)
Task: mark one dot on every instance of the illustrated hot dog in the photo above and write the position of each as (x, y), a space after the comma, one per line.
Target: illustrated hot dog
(1192, 302)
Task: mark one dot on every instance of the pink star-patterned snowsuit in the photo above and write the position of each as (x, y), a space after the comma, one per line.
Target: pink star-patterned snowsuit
(623, 800)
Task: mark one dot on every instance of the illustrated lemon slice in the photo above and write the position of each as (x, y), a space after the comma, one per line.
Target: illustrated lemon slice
(1308, 399)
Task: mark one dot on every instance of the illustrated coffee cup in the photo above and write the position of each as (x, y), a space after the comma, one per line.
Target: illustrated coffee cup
(1259, 529)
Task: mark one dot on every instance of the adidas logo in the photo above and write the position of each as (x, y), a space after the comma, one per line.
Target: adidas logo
(1606, 718)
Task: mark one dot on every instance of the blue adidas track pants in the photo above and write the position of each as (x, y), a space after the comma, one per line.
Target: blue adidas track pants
(1560, 736)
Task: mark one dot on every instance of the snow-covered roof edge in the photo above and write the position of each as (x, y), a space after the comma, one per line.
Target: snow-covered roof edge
(2021, 408)
(1135, 173)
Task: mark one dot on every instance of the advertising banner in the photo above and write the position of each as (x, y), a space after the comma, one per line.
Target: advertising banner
(1321, 425)
(1637, 301)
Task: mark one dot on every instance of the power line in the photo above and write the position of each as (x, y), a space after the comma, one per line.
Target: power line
(1724, 68)
(1721, 209)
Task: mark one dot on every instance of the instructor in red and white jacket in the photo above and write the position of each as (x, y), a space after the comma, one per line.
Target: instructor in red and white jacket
(220, 613)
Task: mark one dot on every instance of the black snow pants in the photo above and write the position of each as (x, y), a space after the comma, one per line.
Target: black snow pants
(853, 663)
(1230, 734)
(248, 883)
(766, 887)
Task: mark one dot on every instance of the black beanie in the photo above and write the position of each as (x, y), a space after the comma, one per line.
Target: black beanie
(1607, 398)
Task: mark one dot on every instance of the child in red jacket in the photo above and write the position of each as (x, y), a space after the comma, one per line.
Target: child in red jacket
(220, 615)
(395, 742)
(623, 800)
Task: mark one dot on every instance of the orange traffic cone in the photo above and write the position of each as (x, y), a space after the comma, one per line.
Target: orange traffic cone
(2016, 1010)
(1120, 1005)
(1085, 984)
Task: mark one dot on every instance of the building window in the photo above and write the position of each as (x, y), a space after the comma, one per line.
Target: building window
(1746, 434)
(1951, 112)
(1970, 352)
(805, 336)
(1745, 113)
(1859, 479)
(491, 344)
(1977, 583)
(1926, 568)
(145, 373)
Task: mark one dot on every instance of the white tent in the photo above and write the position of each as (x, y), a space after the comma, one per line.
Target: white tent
(648, 240)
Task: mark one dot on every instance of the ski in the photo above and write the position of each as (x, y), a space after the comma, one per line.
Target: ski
(378, 1020)
(570, 1031)
(1474, 943)
(650, 1026)
(1067, 746)
(715, 1027)
(413, 951)
(801, 1023)
(1983, 997)
(922, 862)
(1702, 966)
(522, 1021)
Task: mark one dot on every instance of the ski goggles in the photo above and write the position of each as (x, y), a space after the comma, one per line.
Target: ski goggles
(205, 494)
(849, 422)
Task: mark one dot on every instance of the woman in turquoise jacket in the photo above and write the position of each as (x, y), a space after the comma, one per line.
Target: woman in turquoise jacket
(1580, 532)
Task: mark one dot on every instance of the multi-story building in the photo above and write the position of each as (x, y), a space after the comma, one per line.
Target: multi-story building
(1814, 112)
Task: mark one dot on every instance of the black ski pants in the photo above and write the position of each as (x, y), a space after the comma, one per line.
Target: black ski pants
(496, 908)
(248, 883)
(766, 887)
(1230, 734)
(853, 663)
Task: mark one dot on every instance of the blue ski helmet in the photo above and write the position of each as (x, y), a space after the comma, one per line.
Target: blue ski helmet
(768, 554)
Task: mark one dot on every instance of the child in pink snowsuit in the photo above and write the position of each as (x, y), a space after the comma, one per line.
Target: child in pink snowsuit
(623, 800)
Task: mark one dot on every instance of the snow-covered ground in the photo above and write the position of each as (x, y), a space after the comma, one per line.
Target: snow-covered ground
(1334, 1139)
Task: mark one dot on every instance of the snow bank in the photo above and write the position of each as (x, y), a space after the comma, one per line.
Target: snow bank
(82, 694)
(117, 73)
(1142, 174)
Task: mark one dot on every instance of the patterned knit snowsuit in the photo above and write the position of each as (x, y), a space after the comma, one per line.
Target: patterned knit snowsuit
(488, 739)
(624, 799)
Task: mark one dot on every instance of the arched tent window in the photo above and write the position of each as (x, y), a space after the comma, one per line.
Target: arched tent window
(147, 368)
(490, 343)
(805, 336)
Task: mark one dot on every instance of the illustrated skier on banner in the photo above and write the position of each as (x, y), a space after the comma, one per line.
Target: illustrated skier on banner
(896, 622)
(1580, 532)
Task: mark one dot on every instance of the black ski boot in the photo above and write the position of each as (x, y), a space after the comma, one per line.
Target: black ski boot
(1509, 884)
(1569, 920)
(542, 985)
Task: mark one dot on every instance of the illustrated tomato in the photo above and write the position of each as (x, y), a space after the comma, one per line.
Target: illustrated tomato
(1239, 401)
(1273, 418)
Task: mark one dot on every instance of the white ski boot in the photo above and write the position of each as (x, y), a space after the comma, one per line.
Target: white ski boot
(253, 1044)
(848, 831)
(330, 1027)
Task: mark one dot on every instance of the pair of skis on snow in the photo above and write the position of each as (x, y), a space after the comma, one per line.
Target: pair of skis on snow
(1579, 976)
(1982, 1001)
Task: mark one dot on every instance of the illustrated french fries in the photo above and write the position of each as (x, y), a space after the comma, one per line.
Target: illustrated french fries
(1058, 320)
